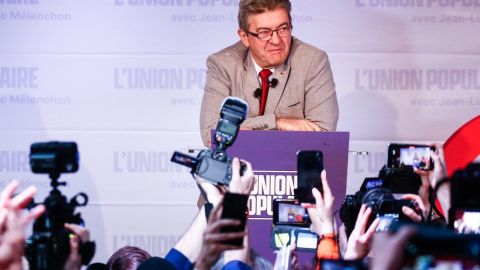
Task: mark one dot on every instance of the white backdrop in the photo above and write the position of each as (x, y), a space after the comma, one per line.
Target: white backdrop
(124, 79)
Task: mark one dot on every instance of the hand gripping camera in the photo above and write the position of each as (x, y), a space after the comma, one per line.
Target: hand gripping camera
(214, 165)
(383, 205)
(49, 246)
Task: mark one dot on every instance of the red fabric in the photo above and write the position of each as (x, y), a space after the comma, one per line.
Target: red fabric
(264, 74)
(463, 146)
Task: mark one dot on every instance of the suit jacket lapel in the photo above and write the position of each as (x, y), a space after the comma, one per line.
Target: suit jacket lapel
(250, 84)
(275, 93)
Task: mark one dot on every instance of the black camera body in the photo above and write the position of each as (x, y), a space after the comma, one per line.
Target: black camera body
(54, 157)
(214, 165)
(380, 200)
(349, 211)
(49, 246)
(400, 180)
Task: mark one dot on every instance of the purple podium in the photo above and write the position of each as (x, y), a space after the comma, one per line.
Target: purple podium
(274, 161)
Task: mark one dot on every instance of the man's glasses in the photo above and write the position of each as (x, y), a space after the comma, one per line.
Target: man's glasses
(265, 35)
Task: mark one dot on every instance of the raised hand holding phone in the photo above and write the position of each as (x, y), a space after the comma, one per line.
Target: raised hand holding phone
(321, 213)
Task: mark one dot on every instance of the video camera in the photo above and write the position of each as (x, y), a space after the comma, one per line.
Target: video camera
(383, 205)
(49, 246)
(214, 165)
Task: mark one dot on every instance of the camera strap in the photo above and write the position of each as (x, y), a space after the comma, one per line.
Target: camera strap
(433, 199)
(208, 205)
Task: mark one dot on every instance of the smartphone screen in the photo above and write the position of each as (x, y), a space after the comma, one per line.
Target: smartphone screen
(467, 221)
(234, 207)
(184, 159)
(289, 212)
(408, 156)
(386, 221)
(307, 240)
(309, 168)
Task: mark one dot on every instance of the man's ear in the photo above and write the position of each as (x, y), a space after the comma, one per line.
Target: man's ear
(243, 37)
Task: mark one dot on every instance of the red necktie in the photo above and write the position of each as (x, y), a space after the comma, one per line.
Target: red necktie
(264, 74)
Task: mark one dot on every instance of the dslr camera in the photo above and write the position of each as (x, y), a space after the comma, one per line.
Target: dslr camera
(383, 205)
(49, 246)
(214, 165)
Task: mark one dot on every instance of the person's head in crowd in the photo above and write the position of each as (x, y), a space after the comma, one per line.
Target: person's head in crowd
(156, 263)
(257, 262)
(265, 26)
(127, 258)
(97, 266)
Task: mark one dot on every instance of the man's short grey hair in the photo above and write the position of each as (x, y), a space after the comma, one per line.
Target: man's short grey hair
(251, 7)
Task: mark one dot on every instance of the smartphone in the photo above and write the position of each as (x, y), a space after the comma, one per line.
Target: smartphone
(409, 156)
(386, 220)
(309, 168)
(326, 264)
(234, 207)
(290, 212)
(305, 240)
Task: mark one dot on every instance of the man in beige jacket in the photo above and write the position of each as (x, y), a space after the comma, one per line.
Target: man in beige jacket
(301, 94)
